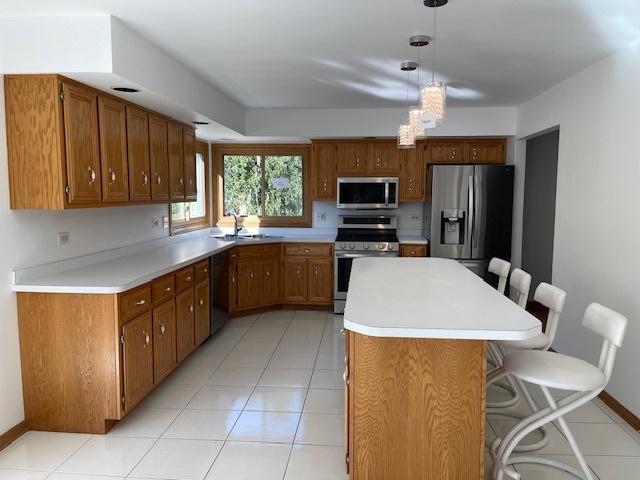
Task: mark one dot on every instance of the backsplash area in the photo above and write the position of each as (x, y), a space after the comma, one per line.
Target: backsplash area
(409, 215)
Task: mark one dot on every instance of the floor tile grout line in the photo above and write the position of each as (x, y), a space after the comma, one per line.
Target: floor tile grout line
(91, 436)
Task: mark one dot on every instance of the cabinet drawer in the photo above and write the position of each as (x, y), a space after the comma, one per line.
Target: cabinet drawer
(254, 251)
(201, 270)
(409, 250)
(308, 249)
(184, 279)
(163, 289)
(135, 302)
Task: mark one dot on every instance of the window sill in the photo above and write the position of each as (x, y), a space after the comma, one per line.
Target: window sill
(188, 227)
(255, 222)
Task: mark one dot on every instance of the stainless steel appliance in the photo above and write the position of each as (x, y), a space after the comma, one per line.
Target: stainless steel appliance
(367, 192)
(360, 236)
(470, 213)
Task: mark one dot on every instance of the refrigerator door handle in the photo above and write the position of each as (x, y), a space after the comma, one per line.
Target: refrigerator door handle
(476, 204)
(471, 212)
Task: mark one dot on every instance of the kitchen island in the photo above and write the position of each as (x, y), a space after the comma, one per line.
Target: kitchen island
(415, 373)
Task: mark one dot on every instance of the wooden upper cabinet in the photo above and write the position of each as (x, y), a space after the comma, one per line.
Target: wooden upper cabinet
(164, 340)
(485, 151)
(189, 151)
(294, 285)
(138, 149)
(412, 174)
(81, 144)
(445, 151)
(158, 158)
(137, 359)
(352, 158)
(176, 163)
(113, 150)
(320, 288)
(323, 169)
(383, 159)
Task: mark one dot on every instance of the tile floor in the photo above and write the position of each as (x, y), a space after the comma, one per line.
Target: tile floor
(263, 400)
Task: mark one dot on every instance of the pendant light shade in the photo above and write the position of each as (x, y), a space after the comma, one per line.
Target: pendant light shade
(415, 121)
(406, 136)
(433, 99)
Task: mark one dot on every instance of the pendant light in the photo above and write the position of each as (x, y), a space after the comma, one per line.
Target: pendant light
(406, 133)
(416, 113)
(433, 95)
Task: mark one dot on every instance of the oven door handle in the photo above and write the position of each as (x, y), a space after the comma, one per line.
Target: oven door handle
(354, 255)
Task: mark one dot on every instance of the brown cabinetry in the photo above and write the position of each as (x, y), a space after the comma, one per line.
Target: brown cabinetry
(295, 283)
(383, 159)
(202, 313)
(254, 277)
(351, 158)
(269, 281)
(176, 163)
(113, 150)
(72, 146)
(164, 340)
(323, 171)
(413, 250)
(320, 285)
(137, 359)
(248, 284)
(307, 274)
(185, 326)
(445, 151)
(485, 151)
(412, 174)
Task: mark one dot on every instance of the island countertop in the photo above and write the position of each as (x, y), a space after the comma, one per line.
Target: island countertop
(430, 298)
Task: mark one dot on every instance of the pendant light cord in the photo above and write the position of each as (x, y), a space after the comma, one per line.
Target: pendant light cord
(408, 73)
(418, 86)
(433, 68)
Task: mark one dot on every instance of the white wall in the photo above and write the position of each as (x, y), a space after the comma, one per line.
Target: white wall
(597, 233)
(29, 238)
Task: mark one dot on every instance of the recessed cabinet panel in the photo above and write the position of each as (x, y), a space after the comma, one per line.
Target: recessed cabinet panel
(412, 174)
(185, 312)
(485, 151)
(138, 149)
(202, 313)
(383, 159)
(248, 284)
(113, 150)
(270, 281)
(320, 280)
(158, 158)
(164, 340)
(176, 163)
(295, 280)
(137, 359)
(189, 151)
(81, 144)
(352, 158)
(323, 167)
(445, 152)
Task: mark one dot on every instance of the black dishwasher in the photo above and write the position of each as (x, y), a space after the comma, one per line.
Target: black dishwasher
(219, 284)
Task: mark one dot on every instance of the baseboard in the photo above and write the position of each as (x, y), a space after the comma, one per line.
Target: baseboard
(282, 306)
(11, 435)
(620, 409)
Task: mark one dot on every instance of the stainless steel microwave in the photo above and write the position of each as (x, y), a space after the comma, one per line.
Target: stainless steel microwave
(367, 192)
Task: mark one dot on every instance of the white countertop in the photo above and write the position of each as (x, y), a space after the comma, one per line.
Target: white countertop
(120, 273)
(430, 298)
(416, 239)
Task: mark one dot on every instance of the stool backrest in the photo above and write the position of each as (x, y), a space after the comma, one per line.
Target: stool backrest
(553, 298)
(520, 281)
(501, 268)
(612, 327)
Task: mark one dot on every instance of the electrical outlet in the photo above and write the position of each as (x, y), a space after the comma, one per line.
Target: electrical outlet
(165, 222)
(155, 222)
(322, 216)
(63, 239)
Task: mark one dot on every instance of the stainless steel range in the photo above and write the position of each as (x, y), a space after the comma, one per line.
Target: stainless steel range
(360, 236)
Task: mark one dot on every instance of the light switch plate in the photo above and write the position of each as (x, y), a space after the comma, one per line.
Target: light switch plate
(63, 239)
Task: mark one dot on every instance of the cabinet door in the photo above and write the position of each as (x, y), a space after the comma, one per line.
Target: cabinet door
(113, 150)
(233, 280)
(189, 150)
(203, 309)
(409, 250)
(176, 163)
(164, 340)
(444, 151)
(294, 280)
(80, 109)
(138, 149)
(412, 174)
(248, 284)
(137, 359)
(323, 167)
(383, 159)
(158, 159)
(185, 336)
(352, 159)
(485, 151)
(320, 288)
(269, 281)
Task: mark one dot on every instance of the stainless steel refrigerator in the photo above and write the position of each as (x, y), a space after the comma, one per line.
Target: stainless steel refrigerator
(469, 215)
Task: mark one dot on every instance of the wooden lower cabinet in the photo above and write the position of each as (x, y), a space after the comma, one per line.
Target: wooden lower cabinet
(415, 408)
(413, 250)
(248, 284)
(185, 324)
(269, 281)
(164, 340)
(202, 313)
(137, 359)
(294, 286)
(320, 283)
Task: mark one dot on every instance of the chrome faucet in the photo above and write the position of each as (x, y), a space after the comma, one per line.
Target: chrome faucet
(236, 229)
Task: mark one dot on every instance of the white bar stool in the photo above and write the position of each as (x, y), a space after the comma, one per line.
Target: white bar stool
(554, 370)
(501, 268)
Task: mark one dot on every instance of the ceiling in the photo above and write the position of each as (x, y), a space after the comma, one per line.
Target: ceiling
(346, 53)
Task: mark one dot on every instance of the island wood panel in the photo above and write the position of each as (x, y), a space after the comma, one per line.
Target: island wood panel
(35, 142)
(69, 346)
(417, 408)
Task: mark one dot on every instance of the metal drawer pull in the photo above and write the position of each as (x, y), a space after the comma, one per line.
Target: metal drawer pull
(92, 175)
(147, 339)
(113, 177)
(180, 181)
(158, 179)
(168, 289)
(205, 270)
(187, 278)
(140, 302)
(342, 331)
(162, 328)
(145, 179)
(201, 302)
(307, 250)
(190, 308)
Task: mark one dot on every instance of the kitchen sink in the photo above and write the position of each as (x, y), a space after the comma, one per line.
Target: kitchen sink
(255, 236)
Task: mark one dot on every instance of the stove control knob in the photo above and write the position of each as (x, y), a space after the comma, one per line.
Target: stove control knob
(352, 246)
(343, 246)
(366, 246)
(381, 246)
(390, 246)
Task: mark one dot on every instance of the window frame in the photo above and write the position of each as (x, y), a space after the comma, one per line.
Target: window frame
(220, 150)
(198, 223)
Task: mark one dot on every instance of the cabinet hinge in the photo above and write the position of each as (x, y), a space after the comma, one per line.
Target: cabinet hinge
(124, 399)
(346, 458)
(61, 96)
(122, 339)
